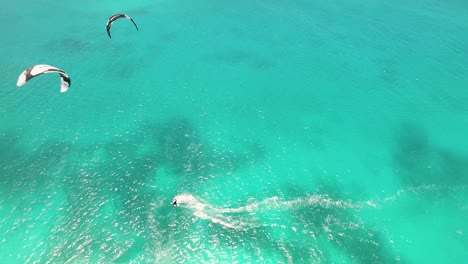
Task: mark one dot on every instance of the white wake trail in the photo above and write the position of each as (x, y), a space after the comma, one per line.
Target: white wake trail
(208, 212)
(244, 217)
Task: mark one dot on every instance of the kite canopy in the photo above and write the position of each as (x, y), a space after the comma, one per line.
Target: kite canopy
(114, 18)
(39, 69)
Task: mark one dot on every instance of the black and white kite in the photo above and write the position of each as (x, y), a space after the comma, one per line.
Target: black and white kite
(39, 69)
(114, 18)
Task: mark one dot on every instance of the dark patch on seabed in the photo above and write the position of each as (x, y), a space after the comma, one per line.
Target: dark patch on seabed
(8, 141)
(361, 242)
(387, 71)
(124, 67)
(68, 45)
(417, 161)
(181, 148)
(109, 193)
(24, 173)
(28, 185)
(105, 185)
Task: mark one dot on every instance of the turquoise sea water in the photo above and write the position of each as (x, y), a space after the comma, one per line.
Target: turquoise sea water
(289, 131)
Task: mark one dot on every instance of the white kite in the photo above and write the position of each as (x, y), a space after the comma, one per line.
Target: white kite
(39, 69)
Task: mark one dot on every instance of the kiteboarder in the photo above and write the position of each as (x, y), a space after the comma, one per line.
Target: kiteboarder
(174, 203)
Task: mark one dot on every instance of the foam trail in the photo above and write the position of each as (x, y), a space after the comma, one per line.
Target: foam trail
(274, 203)
(424, 189)
(242, 217)
(208, 212)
